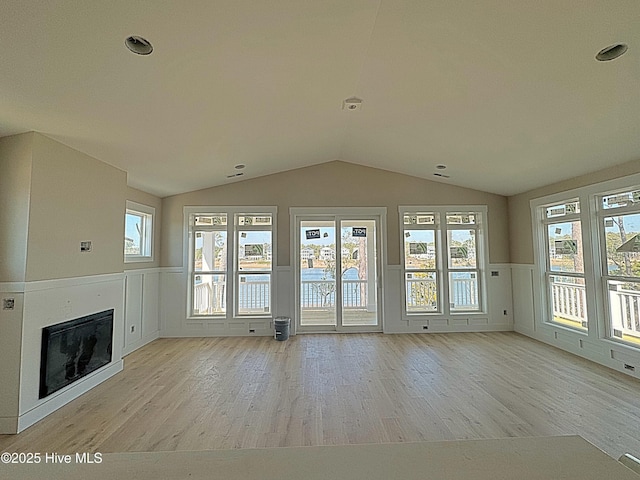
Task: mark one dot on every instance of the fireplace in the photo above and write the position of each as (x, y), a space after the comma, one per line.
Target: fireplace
(74, 349)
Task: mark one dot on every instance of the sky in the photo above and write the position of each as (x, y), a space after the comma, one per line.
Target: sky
(130, 228)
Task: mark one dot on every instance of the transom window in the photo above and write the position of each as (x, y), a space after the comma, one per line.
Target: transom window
(442, 259)
(231, 261)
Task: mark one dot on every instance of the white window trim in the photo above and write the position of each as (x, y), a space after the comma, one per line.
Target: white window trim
(543, 265)
(148, 236)
(232, 272)
(442, 266)
(597, 305)
(602, 271)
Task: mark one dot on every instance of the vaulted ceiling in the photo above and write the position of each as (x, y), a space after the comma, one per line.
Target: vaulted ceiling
(506, 93)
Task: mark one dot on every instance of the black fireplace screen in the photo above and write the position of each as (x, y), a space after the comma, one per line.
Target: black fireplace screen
(73, 349)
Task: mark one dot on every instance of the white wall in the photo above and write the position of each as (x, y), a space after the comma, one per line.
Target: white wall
(142, 304)
(10, 352)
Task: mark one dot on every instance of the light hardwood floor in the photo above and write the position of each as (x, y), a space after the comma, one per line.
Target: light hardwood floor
(245, 392)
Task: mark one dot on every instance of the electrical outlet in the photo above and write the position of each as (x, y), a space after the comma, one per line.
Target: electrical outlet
(133, 328)
(504, 312)
(425, 327)
(252, 330)
(8, 303)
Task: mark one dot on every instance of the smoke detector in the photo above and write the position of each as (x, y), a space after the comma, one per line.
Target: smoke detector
(352, 104)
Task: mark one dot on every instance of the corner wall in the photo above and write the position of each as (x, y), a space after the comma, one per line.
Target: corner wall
(526, 303)
(57, 197)
(15, 192)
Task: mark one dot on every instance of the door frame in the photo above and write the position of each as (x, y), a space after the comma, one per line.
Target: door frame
(379, 214)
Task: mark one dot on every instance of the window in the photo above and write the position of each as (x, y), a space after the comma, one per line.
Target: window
(231, 262)
(462, 233)
(138, 233)
(587, 255)
(420, 263)
(443, 259)
(619, 222)
(564, 272)
(254, 264)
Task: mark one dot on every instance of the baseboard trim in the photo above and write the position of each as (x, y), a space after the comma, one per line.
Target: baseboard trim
(140, 343)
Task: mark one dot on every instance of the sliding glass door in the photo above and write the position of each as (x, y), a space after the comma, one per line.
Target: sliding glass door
(337, 273)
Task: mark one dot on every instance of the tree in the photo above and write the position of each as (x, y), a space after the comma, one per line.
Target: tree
(623, 238)
(576, 235)
(327, 285)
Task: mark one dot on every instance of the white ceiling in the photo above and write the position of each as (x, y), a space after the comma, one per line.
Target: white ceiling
(506, 93)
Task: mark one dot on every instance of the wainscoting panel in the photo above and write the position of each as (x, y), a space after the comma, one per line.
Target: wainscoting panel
(173, 309)
(619, 357)
(523, 305)
(10, 346)
(499, 315)
(142, 316)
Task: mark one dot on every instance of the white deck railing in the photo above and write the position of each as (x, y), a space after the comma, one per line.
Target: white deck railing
(422, 294)
(625, 311)
(569, 301)
(322, 294)
(209, 297)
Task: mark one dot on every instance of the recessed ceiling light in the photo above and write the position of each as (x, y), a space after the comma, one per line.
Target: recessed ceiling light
(441, 167)
(240, 166)
(139, 45)
(611, 52)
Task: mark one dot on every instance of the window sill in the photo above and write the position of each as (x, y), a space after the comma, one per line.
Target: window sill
(138, 260)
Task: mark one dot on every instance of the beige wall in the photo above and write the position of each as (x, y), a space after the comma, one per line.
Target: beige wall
(15, 189)
(520, 232)
(74, 198)
(149, 200)
(334, 184)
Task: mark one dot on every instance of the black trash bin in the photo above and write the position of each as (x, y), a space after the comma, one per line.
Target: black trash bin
(282, 326)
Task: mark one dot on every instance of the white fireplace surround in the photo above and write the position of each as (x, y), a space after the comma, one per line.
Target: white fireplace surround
(43, 303)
